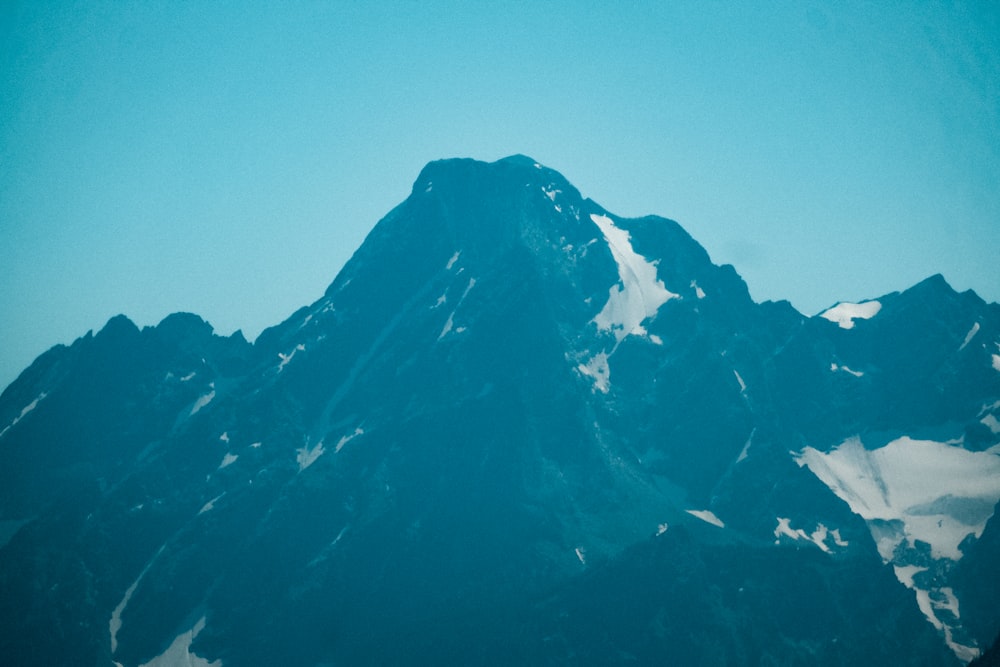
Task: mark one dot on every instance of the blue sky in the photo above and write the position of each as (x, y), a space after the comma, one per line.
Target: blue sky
(228, 158)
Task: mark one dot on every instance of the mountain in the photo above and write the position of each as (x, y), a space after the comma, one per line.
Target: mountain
(516, 429)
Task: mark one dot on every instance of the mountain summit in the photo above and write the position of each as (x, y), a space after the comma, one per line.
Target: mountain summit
(516, 429)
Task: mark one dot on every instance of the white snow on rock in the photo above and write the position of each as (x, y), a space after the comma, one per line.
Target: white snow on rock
(179, 654)
(551, 193)
(834, 368)
(305, 456)
(785, 528)
(115, 624)
(905, 573)
(969, 336)
(203, 401)
(189, 376)
(923, 490)
(450, 323)
(285, 358)
(698, 292)
(581, 554)
(743, 385)
(228, 460)
(598, 370)
(347, 438)
(746, 447)
(24, 411)
(844, 314)
(708, 516)
(992, 423)
(446, 329)
(207, 507)
(638, 294)
(224, 437)
(662, 528)
(451, 262)
(930, 602)
(996, 362)
(818, 536)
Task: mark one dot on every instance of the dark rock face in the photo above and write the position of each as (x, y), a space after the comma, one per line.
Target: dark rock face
(516, 429)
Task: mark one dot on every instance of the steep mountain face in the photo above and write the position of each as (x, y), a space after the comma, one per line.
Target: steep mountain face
(516, 429)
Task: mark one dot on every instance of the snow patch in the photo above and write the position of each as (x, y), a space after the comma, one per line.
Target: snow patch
(912, 489)
(255, 445)
(905, 573)
(969, 336)
(992, 423)
(662, 528)
(179, 654)
(708, 516)
(784, 528)
(24, 411)
(698, 292)
(746, 447)
(203, 401)
(597, 369)
(581, 554)
(743, 385)
(638, 294)
(228, 460)
(450, 323)
(655, 340)
(224, 437)
(285, 358)
(845, 369)
(844, 314)
(347, 438)
(996, 362)
(207, 507)
(305, 457)
(115, 624)
(188, 377)
(447, 326)
(818, 536)
(930, 602)
(551, 193)
(451, 262)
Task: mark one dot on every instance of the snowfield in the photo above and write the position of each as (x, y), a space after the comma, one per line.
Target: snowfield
(939, 493)
(844, 314)
(638, 294)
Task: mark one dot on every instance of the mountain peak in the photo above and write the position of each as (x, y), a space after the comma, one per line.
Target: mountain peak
(935, 283)
(521, 159)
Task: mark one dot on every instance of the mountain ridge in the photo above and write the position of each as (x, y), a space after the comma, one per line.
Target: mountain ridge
(510, 404)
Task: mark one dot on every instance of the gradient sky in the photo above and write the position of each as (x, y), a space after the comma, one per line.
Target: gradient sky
(228, 158)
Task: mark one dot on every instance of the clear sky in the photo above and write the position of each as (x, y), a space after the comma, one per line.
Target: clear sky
(227, 158)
